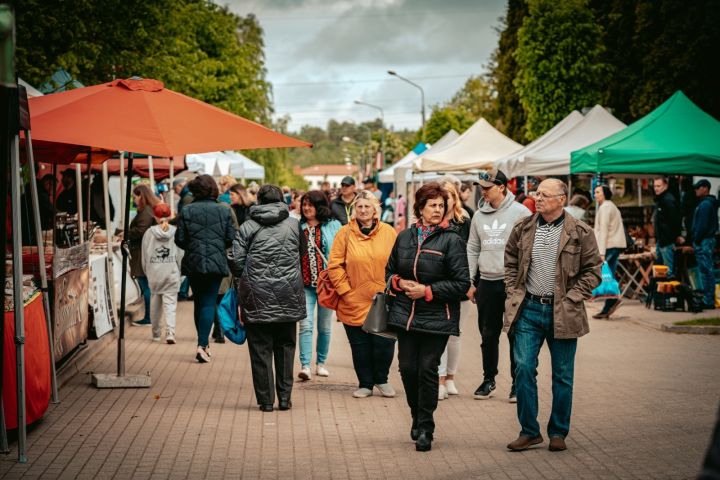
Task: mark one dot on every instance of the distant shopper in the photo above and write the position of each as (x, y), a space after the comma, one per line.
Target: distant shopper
(705, 227)
(205, 231)
(226, 181)
(667, 223)
(270, 292)
(357, 270)
(611, 240)
(161, 263)
(342, 206)
(67, 199)
(145, 201)
(182, 191)
(318, 232)
(466, 195)
(577, 207)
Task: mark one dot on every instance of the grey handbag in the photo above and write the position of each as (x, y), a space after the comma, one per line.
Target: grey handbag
(377, 317)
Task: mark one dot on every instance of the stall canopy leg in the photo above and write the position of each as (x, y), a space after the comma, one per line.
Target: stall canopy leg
(120, 380)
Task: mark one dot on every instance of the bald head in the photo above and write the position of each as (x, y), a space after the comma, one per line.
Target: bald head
(550, 198)
(554, 185)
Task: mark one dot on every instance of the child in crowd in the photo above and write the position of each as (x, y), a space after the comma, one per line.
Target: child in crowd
(161, 263)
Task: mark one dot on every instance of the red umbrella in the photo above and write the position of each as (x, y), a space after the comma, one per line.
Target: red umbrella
(141, 116)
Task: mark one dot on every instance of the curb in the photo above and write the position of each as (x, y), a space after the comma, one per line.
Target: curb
(693, 329)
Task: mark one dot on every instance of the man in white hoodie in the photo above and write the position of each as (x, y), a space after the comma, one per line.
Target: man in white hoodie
(161, 264)
(497, 214)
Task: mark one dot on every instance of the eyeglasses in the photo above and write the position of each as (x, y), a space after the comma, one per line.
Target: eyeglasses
(545, 195)
(488, 188)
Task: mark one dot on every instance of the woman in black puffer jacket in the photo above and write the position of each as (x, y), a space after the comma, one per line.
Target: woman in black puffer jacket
(428, 273)
(205, 230)
(271, 294)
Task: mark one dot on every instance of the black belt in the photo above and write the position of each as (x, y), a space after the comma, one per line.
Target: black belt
(543, 299)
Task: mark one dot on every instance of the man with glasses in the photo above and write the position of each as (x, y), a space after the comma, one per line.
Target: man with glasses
(490, 228)
(552, 264)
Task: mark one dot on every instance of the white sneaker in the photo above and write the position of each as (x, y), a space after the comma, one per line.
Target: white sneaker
(170, 339)
(451, 388)
(305, 374)
(386, 389)
(362, 393)
(155, 339)
(322, 371)
(442, 392)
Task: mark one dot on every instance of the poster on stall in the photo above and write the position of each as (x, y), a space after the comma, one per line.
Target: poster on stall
(70, 289)
(100, 302)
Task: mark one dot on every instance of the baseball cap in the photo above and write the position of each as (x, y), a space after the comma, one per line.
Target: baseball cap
(161, 210)
(701, 183)
(347, 180)
(491, 177)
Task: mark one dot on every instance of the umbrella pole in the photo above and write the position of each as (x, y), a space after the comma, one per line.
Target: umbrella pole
(122, 187)
(171, 192)
(151, 172)
(108, 235)
(41, 263)
(88, 203)
(120, 380)
(78, 195)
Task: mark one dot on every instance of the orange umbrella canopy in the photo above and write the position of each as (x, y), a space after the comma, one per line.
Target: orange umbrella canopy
(141, 116)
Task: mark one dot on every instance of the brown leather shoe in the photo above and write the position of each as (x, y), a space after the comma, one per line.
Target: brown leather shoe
(524, 442)
(557, 444)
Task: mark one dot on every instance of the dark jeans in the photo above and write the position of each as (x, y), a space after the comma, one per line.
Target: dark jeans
(533, 327)
(419, 358)
(611, 257)
(372, 356)
(184, 291)
(490, 301)
(205, 290)
(145, 288)
(265, 342)
(704, 252)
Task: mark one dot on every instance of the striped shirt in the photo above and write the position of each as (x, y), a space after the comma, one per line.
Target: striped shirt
(543, 260)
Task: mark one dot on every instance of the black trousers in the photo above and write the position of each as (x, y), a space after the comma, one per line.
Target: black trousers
(372, 356)
(419, 358)
(490, 301)
(265, 343)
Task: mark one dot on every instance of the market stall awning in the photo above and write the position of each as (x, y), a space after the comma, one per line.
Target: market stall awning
(225, 163)
(514, 165)
(554, 157)
(676, 138)
(388, 175)
(477, 148)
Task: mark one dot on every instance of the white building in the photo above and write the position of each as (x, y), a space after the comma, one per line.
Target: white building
(315, 175)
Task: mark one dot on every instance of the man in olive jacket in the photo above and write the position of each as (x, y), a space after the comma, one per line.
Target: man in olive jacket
(552, 264)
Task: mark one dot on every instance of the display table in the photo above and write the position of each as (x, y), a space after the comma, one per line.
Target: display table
(634, 272)
(99, 298)
(37, 364)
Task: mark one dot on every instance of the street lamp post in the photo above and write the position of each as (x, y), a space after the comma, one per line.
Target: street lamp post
(382, 125)
(422, 97)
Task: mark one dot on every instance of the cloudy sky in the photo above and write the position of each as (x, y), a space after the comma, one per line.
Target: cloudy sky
(324, 54)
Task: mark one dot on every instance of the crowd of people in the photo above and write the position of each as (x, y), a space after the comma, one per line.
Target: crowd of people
(272, 245)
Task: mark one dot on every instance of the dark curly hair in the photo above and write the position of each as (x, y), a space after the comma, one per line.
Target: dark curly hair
(429, 191)
(269, 194)
(319, 200)
(203, 186)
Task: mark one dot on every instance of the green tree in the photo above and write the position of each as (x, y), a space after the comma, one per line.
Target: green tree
(558, 59)
(446, 118)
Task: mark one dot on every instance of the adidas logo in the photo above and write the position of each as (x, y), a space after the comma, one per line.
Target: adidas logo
(493, 241)
(494, 230)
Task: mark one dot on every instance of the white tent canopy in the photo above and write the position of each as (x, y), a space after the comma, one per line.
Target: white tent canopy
(388, 175)
(513, 165)
(554, 157)
(224, 163)
(479, 147)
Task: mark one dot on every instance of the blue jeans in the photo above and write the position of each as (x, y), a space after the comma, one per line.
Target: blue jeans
(324, 324)
(705, 264)
(184, 291)
(372, 356)
(205, 290)
(611, 257)
(534, 326)
(666, 256)
(145, 288)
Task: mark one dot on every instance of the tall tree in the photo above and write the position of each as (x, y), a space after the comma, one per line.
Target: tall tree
(503, 70)
(477, 99)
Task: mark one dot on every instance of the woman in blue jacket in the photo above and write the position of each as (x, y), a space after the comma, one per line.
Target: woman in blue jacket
(319, 231)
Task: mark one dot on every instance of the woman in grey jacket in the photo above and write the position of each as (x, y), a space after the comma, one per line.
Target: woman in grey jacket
(271, 295)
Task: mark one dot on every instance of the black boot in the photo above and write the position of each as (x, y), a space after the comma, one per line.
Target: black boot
(424, 442)
(217, 333)
(414, 431)
(284, 404)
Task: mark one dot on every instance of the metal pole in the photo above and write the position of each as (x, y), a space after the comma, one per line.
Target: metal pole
(122, 186)
(151, 172)
(171, 192)
(108, 235)
(639, 189)
(78, 195)
(88, 203)
(123, 282)
(422, 98)
(41, 263)
(18, 296)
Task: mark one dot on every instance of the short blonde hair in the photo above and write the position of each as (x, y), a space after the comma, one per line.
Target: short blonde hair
(370, 197)
(458, 214)
(227, 181)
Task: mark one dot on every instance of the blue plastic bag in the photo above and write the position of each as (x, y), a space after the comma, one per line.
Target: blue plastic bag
(227, 312)
(609, 287)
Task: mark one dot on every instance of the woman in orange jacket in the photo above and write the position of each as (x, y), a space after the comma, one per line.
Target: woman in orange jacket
(357, 270)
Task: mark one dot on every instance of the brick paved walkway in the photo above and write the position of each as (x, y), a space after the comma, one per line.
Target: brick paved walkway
(644, 406)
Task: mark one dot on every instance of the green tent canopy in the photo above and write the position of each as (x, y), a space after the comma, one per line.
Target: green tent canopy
(675, 138)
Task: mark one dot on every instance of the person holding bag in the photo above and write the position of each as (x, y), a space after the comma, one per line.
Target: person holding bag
(428, 273)
(357, 271)
(318, 232)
